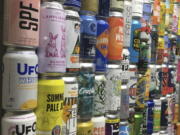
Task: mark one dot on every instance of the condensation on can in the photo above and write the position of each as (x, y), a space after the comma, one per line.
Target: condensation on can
(20, 68)
(18, 123)
(88, 5)
(50, 105)
(25, 18)
(117, 5)
(52, 53)
(85, 128)
(98, 125)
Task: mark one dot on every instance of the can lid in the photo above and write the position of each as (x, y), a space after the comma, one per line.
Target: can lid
(115, 14)
(123, 123)
(151, 66)
(87, 67)
(124, 87)
(69, 79)
(163, 98)
(113, 66)
(72, 13)
(52, 4)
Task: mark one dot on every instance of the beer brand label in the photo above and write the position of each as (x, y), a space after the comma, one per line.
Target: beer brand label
(52, 53)
(157, 116)
(72, 44)
(25, 17)
(115, 38)
(112, 127)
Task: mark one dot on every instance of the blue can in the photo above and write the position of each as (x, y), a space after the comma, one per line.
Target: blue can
(149, 116)
(135, 41)
(88, 37)
(147, 12)
(124, 128)
(102, 44)
(104, 6)
(73, 3)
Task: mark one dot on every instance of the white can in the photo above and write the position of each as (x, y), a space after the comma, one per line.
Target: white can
(98, 125)
(52, 53)
(20, 79)
(18, 124)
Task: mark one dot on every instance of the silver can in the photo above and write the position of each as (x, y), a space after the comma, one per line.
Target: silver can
(113, 88)
(18, 124)
(20, 79)
(70, 105)
(72, 41)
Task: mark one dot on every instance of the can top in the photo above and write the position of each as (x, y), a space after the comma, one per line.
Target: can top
(151, 66)
(163, 98)
(69, 79)
(112, 115)
(84, 12)
(168, 96)
(113, 66)
(158, 66)
(115, 14)
(123, 123)
(164, 65)
(84, 123)
(52, 4)
(20, 50)
(71, 13)
(87, 67)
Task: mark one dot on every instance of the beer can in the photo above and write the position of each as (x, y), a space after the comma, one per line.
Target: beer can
(88, 37)
(70, 105)
(20, 67)
(98, 125)
(155, 19)
(86, 80)
(131, 120)
(157, 115)
(138, 123)
(91, 6)
(160, 50)
(51, 53)
(170, 129)
(72, 41)
(161, 26)
(175, 17)
(170, 107)
(124, 108)
(113, 88)
(112, 124)
(74, 4)
(50, 105)
(102, 44)
(123, 128)
(25, 28)
(137, 9)
(116, 36)
(85, 128)
(117, 5)
(18, 123)
(147, 9)
(127, 14)
(149, 116)
(104, 6)
(99, 95)
(176, 114)
(164, 113)
(154, 81)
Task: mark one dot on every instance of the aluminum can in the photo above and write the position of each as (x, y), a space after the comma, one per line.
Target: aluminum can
(25, 18)
(170, 129)
(164, 113)
(147, 9)
(18, 123)
(176, 114)
(102, 44)
(138, 123)
(112, 124)
(154, 81)
(175, 16)
(137, 9)
(131, 120)
(104, 6)
(156, 133)
(51, 53)
(124, 108)
(98, 125)
(160, 50)
(161, 26)
(88, 37)
(163, 132)
(70, 105)
(85, 128)
(86, 80)
(20, 67)
(123, 128)
(75, 4)
(99, 95)
(171, 78)
(116, 36)
(170, 108)
(156, 115)
(127, 13)
(91, 6)
(50, 110)
(149, 116)
(178, 71)
(117, 5)
(72, 41)
(113, 88)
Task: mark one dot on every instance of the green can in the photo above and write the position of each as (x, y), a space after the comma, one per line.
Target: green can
(157, 115)
(138, 123)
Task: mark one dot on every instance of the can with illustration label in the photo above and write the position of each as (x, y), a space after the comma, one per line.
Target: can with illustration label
(85, 128)
(98, 125)
(113, 88)
(20, 67)
(88, 36)
(50, 105)
(102, 44)
(70, 105)
(116, 37)
(91, 6)
(124, 128)
(86, 80)
(149, 116)
(51, 53)
(117, 5)
(72, 41)
(112, 124)
(160, 50)
(18, 124)
(21, 23)
(161, 26)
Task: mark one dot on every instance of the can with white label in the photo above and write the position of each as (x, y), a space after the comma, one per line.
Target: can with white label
(98, 125)
(72, 41)
(52, 54)
(18, 124)
(20, 67)
(21, 23)
(70, 105)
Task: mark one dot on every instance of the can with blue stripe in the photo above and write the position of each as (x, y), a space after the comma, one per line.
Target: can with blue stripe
(75, 4)
(123, 128)
(88, 36)
(104, 6)
(149, 116)
(102, 44)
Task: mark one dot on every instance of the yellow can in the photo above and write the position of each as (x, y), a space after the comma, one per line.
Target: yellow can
(161, 26)
(90, 5)
(50, 106)
(85, 128)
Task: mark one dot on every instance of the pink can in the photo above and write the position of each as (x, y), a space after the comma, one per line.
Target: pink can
(52, 58)
(21, 23)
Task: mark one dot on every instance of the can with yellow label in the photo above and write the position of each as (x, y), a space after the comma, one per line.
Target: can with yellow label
(50, 106)
(85, 128)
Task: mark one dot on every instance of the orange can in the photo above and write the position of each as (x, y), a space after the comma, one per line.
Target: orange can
(156, 13)
(115, 36)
